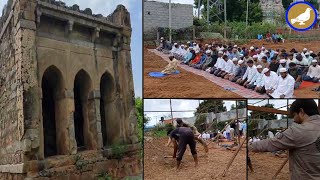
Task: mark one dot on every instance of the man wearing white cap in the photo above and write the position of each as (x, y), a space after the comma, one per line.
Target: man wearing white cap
(283, 64)
(227, 68)
(234, 70)
(256, 62)
(313, 72)
(250, 73)
(252, 51)
(242, 70)
(208, 61)
(285, 86)
(162, 44)
(202, 60)
(180, 53)
(258, 77)
(218, 64)
(189, 56)
(304, 51)
(268, 82)
(308, 58)
(174, 49)
(223, 65)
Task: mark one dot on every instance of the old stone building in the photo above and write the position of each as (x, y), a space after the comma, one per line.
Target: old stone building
(66, 92)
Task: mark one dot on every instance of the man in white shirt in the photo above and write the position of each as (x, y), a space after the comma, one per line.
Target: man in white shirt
(234, 70)
(268, 82)
(313, 72)
(258, 77)
(223, 64)
(228, 130)
(285, 86)
(218, 64)
(250, 73)
(227, 68)
(260, 54)
(304, 51)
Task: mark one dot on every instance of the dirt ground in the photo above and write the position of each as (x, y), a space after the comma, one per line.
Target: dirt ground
(183, 85)
(265, 165)
(211, 166)
(189, 85)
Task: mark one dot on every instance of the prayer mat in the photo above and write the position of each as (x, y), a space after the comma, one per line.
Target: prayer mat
(159, 74)
(306, 84)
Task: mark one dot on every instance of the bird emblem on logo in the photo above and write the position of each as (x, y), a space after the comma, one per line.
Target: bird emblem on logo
(302, 18)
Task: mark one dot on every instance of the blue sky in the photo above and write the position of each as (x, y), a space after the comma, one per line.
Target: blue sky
(106, 7)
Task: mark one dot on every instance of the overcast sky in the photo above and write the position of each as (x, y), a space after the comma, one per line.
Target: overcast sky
(177, 105)
(106, 7)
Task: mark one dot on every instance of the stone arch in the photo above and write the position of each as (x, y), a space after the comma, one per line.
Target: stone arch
(107, 89)
(52, 85)
(82, 88)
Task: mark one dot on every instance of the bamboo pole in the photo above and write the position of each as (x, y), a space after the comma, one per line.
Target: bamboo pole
(279, 170)
(232, 159)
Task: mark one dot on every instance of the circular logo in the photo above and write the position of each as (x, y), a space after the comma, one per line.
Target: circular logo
(301, 16)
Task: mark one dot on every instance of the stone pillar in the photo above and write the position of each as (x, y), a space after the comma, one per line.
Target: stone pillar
(66, 141)
(94, 129)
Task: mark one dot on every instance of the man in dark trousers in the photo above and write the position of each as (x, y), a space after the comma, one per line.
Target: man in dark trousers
(302, 139)
(181, 137)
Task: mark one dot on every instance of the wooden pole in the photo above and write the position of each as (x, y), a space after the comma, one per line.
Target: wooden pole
(225, 19)
(170, 31)
(238, 126)
(232, 159)
(279, 170)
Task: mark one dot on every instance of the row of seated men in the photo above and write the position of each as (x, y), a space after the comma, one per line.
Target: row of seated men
(274, 72)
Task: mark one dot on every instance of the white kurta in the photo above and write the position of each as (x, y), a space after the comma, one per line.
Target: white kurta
(285, 87)
(250, 72)
(219, 63)
(228, 66)
(269, 82)
(257, 79)
(314, 71)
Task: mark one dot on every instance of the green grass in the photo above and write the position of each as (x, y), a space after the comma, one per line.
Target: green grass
(161, 133)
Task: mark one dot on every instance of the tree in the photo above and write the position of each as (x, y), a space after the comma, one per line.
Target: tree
(236, 11)
(211, 105)
(263, 115)
(241, 105)
(200, 122)
(140, 124)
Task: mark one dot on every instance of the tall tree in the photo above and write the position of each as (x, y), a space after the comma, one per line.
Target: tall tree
(264, 115)
(236, 10)
(241, 104)
(211, 105)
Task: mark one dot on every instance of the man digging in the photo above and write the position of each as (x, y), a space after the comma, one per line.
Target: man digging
(181, 137)
(180, 123)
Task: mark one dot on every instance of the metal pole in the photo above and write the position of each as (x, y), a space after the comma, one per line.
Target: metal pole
(225, 19)
(171, 109)
(208, 11)
(247, 13)
(199, 3)
(170, 37)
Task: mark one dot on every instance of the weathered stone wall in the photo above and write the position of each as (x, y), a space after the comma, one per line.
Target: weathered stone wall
(156, 14)
(17, 41)
(37, 36)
